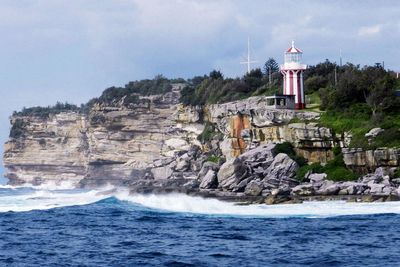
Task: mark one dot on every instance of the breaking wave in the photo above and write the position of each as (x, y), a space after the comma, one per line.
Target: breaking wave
(27, 199)
(188, 204)
(19, 199)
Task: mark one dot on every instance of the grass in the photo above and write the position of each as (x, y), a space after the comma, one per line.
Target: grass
(214, 159)
(313, 102)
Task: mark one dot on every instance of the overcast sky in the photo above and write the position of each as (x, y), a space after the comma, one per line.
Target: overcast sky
(54, 50)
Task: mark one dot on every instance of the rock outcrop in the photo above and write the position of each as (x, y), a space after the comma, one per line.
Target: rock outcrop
(152, 146)
(368, 160)
(109, 145)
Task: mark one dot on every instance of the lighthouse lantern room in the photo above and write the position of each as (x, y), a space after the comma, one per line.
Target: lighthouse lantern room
(292, 71)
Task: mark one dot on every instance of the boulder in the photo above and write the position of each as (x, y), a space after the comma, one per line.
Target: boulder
(182, 163)
(240, 187)
(208, 165)
(329, 188)
(281, 171)
(303, 190)
(231, 173)
(262, 153)
(376, 189)
(161, 173)
(209, 180)
(254, 188)
(374, 132)
(282, 191)
(317, 177)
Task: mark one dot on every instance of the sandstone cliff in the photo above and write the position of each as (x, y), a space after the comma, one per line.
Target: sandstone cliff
(154, 141)
(109, 145)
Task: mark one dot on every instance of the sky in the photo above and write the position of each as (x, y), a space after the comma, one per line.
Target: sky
(62, 50)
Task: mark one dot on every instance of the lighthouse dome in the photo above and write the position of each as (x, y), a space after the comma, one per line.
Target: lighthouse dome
(293, 49)
(293, 54)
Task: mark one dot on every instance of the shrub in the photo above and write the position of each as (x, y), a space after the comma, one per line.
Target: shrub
(97, 119)
(287, 148)
(397, 173)
(44, 112)
(335, 170)
(313, 168)
(340, 173)
(18, 128)
(208, 133)
(214, 159)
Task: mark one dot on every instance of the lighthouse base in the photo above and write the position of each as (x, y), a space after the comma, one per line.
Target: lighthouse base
(300, 106)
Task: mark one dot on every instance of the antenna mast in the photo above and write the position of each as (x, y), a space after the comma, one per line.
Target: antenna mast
(248, 60)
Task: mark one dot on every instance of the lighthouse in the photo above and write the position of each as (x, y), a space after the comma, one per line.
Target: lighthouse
(292, 71)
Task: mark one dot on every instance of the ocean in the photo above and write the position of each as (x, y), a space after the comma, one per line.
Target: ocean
(59, 227)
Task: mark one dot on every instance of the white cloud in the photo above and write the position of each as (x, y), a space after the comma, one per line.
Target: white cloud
(370, 30)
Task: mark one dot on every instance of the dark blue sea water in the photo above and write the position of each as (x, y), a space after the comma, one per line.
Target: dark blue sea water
(116, 232)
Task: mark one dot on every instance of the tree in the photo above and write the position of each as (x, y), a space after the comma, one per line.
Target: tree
(254, 78)
(270, 66)
(381, 95)
(216, 74)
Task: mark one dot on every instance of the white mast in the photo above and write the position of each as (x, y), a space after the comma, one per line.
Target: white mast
(248, 60)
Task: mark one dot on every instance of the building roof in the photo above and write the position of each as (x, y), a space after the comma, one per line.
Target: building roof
(293, 49)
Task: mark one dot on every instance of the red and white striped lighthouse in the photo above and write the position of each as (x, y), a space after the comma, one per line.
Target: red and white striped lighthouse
(292, 71)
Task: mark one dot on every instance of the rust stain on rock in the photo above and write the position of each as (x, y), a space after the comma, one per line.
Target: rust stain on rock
(238, 123)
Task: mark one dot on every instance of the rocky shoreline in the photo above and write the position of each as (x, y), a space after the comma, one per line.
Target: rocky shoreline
(226, 151)
(262, 176)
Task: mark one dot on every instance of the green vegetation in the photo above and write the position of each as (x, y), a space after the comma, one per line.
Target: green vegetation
(209, 132)
(397, 173)
(44, 112)
(130, 93)
(288, 149)
(313, 168)
(214, 159)
(18, 128)
(214, 88)
(358, 100)
(335, 169)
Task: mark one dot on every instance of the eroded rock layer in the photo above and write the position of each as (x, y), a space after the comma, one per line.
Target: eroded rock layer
(155, 142)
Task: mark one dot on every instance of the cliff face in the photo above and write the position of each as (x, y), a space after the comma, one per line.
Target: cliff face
(50, 149)
(368, 160)
(248, 123)
(110, 145)
(155, 140)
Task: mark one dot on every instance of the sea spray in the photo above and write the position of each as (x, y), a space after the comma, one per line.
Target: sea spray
(188, 204)
(19, 199)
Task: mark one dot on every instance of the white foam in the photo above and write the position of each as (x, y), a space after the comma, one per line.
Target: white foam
(49, 185)
(188, 204)
(44, 199)
(32, 199)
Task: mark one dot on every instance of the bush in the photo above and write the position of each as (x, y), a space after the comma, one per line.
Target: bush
(44, 112)
(287, 148)
(397, 173)
(340, 174)
(18, 128)
(97, 119)
(208, 133)
(214, 159)
(313, 168)
(335, 169)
